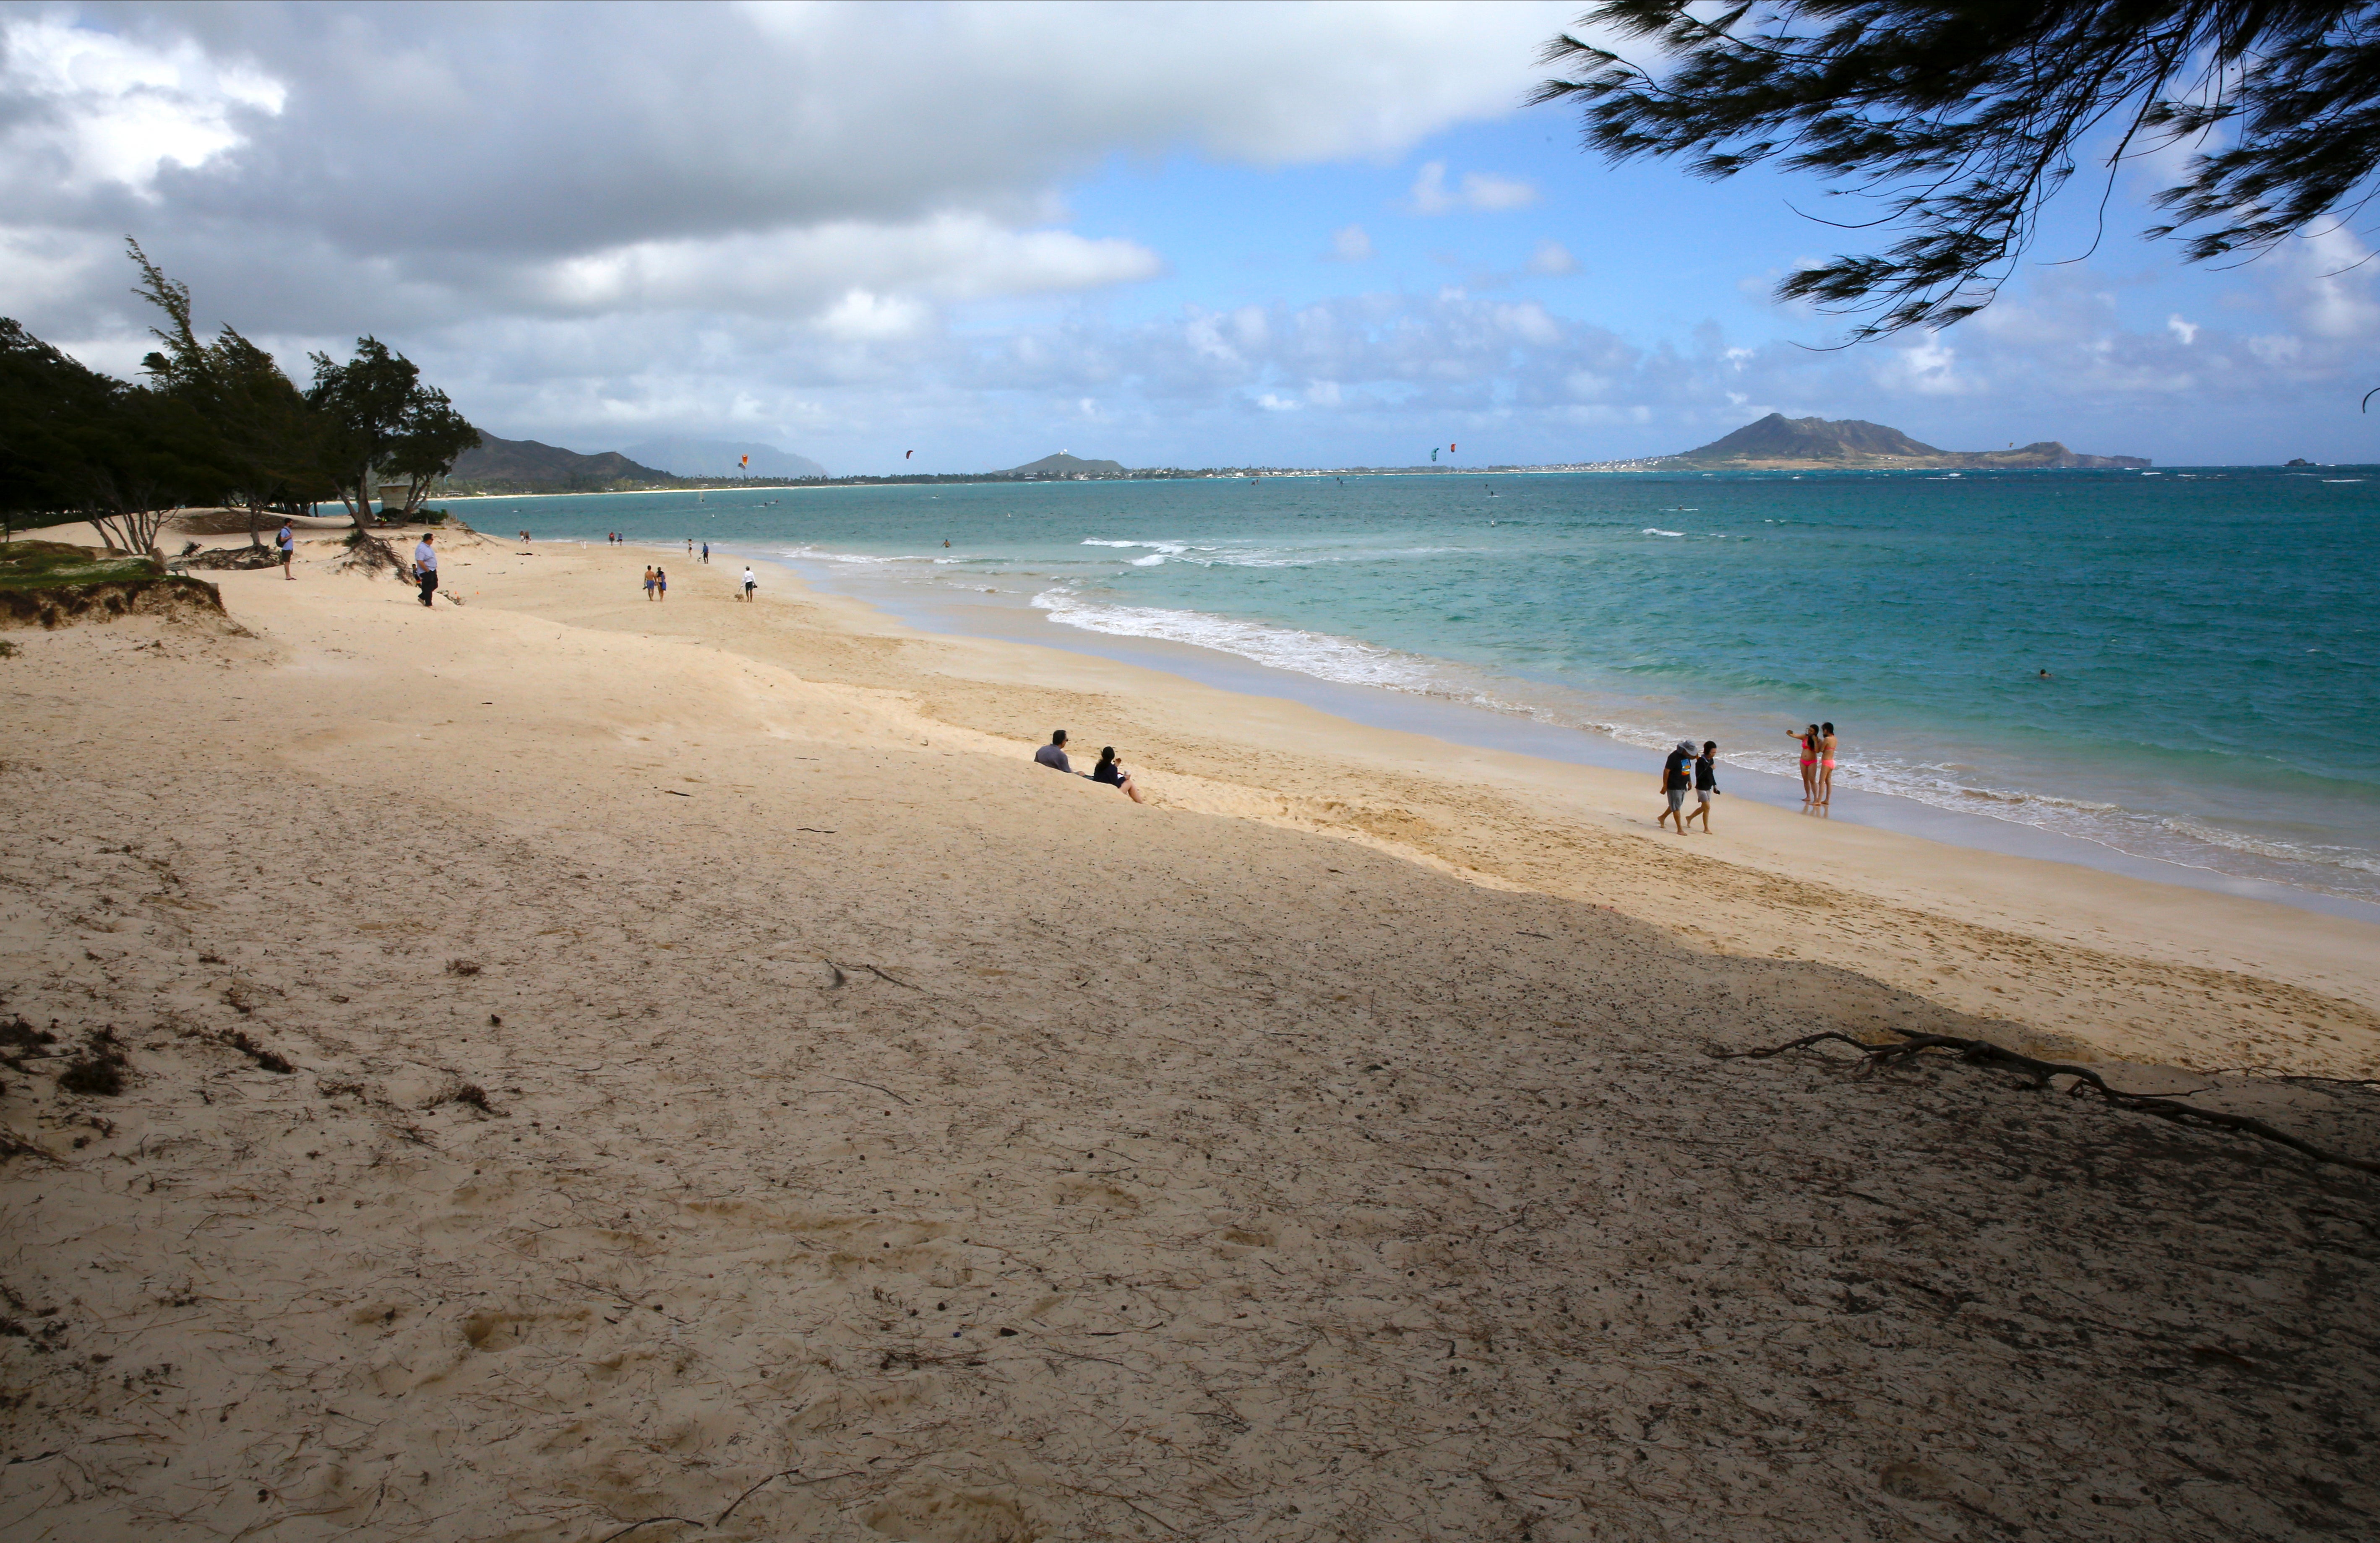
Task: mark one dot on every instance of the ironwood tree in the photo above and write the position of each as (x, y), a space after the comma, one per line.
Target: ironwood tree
(1960, 121)
(379, 416)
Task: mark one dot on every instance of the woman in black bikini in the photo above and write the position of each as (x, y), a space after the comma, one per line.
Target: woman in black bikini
(1112, 773)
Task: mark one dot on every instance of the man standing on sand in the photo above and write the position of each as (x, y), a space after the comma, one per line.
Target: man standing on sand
(425, 565)
(1053, 754)
(1677, 781)
(287, 542)
(750, 583)
(706, 551)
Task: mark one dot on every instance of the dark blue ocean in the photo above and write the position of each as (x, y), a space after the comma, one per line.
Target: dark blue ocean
(2211, 637)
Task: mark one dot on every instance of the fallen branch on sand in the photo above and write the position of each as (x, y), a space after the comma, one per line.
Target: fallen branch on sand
(1983, 1053)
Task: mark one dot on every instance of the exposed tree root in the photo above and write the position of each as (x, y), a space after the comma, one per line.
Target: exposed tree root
(1983, 1053)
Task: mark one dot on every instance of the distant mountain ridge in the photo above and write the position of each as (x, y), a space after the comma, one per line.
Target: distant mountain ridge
(528, 464)
(683, 455)
(1779, 444)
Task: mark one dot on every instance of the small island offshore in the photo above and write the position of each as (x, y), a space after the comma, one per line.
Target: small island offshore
(1778, 443)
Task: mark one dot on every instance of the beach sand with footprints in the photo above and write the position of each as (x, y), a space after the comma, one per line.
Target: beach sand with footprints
(589, 1069)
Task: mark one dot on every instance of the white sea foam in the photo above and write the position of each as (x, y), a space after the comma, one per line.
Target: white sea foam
(1316, 653)
(1655, 530)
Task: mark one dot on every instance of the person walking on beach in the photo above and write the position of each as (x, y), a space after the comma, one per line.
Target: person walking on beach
(1826, 765)
(1677, 781)
(750, 583)
(706, 551)
(287, 542)
(649, 581)
(1053, 754)
(1809, 738)
(1706, 784)
(661, 583)
(425, 565)
(1111, 771)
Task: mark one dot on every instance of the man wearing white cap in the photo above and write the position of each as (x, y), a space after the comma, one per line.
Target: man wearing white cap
(1677, 781)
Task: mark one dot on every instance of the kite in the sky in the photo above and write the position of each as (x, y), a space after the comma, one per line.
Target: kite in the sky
(746, 463)
(1433, 453)
(1449, 450)
(906, 453)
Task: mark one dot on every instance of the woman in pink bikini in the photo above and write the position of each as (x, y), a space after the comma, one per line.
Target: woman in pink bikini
(1809, 738)
(1826, 765)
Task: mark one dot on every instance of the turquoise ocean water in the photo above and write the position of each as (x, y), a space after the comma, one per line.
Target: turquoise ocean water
(2212, 637)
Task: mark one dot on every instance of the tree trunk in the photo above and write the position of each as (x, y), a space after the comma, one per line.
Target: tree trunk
(255, 521)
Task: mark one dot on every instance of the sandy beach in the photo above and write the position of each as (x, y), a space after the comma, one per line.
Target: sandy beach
(599, 1069)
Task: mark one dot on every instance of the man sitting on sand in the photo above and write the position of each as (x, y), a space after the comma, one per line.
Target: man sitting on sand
(1053, 754)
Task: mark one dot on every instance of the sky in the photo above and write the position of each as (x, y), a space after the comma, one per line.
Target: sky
(1166, 234)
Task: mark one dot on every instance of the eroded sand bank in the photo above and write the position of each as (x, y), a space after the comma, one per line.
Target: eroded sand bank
(1327, 1149)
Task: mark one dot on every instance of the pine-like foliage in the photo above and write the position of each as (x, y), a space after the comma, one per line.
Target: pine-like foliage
(1961, 121)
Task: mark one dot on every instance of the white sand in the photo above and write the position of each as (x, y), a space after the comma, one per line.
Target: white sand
(1326, 1149)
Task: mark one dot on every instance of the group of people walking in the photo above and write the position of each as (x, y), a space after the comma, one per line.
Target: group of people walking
(1689, 772)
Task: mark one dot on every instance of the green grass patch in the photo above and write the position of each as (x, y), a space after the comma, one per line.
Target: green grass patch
(44, 564)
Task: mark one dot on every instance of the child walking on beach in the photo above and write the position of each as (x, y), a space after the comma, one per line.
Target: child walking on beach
(1706, 784)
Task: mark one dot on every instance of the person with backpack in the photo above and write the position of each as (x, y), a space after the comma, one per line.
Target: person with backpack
(1677, 781)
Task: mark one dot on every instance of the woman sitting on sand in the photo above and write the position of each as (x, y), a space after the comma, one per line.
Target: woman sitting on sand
(1112, 771)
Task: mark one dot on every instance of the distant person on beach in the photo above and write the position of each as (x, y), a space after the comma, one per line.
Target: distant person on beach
(1112, 771)
(1677, 781)
(1809, 738)
(706, 551)
(425, 565)
(661, 583)
(1826, 765)
(649, 581)
(1706, 784)
(689, 546)
(287, 542)
(750, 583)
(1053, 754)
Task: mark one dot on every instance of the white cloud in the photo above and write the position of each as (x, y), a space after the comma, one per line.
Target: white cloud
(2186, 331)
(2327, 279)
(862, 317)
(1552, 257)
(1478, 192)
(97, 108)
(1351, 244)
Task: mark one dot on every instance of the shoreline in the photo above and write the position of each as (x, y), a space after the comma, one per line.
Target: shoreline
(581, 1063)
(1479, 726)
(1879, 899)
